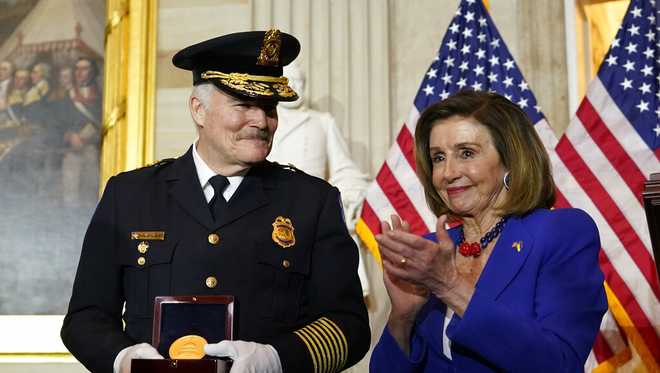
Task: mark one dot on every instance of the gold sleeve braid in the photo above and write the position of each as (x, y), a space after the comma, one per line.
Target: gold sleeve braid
(326, 344)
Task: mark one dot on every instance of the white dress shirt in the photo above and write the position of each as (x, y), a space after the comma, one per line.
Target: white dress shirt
(204, 173)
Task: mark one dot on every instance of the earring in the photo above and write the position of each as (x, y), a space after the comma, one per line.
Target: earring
(507, 180)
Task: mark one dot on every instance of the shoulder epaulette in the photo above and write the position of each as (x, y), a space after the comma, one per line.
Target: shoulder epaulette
(163, 162)
(290, 167)
(157, 163)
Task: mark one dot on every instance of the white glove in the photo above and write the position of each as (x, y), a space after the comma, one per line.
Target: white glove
(249, 357)
(139, 351)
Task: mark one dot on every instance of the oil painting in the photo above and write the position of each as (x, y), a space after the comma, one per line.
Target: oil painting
(51, 63)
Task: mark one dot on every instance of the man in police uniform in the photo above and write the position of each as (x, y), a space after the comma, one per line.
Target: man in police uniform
(223, 220)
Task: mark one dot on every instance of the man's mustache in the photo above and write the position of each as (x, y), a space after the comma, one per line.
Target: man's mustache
(254, 134)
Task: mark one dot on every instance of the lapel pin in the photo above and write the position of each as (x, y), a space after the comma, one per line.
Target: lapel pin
(517, 245)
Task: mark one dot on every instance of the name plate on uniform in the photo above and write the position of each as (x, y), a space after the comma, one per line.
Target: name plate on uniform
(182, 326)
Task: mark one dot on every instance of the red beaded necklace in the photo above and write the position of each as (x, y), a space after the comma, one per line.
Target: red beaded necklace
(474, 248)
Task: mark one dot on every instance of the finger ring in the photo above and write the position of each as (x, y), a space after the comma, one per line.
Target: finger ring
(403, 261)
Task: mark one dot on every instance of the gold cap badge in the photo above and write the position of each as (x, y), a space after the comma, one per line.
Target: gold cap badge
(270, 49)
(283, 232)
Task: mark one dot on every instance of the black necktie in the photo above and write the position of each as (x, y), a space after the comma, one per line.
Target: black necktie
(218, 204)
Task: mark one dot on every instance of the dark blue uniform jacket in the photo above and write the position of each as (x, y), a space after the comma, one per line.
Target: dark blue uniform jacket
(305, 299)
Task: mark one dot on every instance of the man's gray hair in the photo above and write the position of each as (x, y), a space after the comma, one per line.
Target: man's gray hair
(203, 93)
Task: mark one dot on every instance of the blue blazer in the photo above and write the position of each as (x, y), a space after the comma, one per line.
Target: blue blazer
(537, 305)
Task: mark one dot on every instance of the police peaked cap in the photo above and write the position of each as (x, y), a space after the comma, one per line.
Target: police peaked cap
(246, 64)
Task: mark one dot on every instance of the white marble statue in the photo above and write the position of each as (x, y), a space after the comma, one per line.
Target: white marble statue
(311, 141)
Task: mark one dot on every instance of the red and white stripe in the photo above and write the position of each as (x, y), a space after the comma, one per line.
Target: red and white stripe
(610, 346)
(600, 166)
(397, 189)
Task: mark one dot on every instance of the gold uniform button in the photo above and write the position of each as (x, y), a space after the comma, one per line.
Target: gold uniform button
(211, 282)
(142, 247)
(214, 239)
(286, 263)
(141, 261)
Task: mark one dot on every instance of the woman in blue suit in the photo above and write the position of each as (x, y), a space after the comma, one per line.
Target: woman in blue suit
(513, 286)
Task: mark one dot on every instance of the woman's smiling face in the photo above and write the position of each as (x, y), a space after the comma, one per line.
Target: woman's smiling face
(467, 170)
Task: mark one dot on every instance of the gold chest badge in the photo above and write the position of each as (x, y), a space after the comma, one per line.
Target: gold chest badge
(283, 232)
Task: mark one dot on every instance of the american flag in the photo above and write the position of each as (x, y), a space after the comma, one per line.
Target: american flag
(473, 56)
(603, 159)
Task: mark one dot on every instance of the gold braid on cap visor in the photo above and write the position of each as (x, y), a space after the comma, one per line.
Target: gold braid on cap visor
(262, 85)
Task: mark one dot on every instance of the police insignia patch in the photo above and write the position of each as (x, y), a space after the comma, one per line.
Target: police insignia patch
(283, 232)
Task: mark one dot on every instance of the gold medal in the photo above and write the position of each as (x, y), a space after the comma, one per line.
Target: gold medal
(188, 347)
